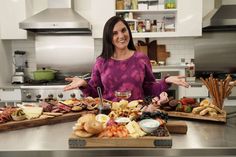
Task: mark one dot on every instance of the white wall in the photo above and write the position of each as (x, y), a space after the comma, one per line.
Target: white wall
(5, 62)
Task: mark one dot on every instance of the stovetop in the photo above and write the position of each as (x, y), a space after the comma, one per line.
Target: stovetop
(45, 82)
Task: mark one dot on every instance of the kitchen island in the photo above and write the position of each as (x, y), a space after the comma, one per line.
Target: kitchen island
(203, 138)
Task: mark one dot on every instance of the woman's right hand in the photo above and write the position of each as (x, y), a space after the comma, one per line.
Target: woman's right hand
(76, 82)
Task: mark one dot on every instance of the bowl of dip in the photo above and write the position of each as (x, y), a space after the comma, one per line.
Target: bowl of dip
(149, 125)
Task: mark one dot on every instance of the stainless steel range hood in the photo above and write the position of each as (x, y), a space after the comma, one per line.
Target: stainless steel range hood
(220, 19)
(57, 20)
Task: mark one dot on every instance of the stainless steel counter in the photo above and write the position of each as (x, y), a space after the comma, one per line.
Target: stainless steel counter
(202, 138)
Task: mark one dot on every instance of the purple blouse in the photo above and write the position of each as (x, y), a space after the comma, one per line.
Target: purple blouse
(133, 74)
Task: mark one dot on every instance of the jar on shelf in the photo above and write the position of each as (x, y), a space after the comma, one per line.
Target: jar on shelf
(119, 4)
(140, 25)
(152, 4)
(134, 4)
(170, 4)
(127, 4)
(142, 5)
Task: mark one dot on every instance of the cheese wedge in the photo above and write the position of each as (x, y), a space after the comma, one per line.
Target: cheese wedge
(32, 112)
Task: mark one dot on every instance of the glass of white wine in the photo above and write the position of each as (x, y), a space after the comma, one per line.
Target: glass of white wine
(123, 94)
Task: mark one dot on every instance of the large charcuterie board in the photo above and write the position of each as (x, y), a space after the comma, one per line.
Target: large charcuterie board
(116, 142)
(67, 117)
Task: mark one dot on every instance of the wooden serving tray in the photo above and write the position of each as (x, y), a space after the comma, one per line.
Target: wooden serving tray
(116, 142)
(218, 118)
(15, 125)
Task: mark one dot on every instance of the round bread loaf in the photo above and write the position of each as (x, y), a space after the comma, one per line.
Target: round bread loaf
(86, 118)
(82, 133)
(93, 127)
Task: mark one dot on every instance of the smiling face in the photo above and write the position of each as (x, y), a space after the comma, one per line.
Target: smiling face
(121, 36)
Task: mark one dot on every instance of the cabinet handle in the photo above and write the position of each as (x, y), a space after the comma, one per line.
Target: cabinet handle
(196, 85)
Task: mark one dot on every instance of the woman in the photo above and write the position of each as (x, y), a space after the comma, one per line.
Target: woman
(121, 68)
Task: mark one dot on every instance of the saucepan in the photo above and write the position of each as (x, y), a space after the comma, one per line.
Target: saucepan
(44, 74)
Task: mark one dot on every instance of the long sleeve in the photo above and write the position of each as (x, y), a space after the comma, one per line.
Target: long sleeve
(94, 82)
(152, 87)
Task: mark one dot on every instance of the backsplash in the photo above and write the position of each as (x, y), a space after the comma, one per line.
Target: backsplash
(178, 48)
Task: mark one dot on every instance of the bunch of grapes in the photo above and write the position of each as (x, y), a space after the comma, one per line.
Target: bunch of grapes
(154, 115)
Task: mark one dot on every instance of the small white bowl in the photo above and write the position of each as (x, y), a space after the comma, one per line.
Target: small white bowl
(102, 118)
(122, 120)
(149, 125)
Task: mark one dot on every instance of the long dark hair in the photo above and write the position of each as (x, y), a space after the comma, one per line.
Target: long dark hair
(108, 47)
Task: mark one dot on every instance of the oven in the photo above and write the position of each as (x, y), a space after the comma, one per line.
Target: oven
(173, 90)
(36, 93)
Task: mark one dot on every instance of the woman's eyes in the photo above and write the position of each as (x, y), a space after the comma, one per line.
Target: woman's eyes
(122, 30)
(115, 33)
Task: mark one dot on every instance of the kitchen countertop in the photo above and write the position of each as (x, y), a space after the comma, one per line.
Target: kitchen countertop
(174, 66)
(202, 138)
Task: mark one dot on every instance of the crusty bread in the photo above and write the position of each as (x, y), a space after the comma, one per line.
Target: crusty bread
(86, 118)
(93, 127)
(82, 133)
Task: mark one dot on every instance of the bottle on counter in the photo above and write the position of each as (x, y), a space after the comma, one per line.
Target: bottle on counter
(192, 68)
(190, 72)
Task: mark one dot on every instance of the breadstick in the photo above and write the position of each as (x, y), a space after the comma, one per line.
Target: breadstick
(227, 80)
(222, 93)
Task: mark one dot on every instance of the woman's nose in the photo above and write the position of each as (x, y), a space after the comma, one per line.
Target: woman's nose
(121, 34)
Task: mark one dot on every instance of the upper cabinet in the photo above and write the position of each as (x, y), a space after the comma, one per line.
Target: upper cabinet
(14, 11)
(189, 18)
(97, 12)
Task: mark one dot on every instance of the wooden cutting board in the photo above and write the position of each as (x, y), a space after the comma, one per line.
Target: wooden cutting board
(15, 125)
(218, 118)
(177, 127)
(116, 142)
(162, 54)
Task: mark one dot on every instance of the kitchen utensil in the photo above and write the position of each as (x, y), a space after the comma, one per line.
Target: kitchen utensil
(161, 53)
(100, 97)
(44, 74)
(152, 48)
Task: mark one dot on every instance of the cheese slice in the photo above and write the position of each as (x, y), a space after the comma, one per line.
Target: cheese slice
(32, 112)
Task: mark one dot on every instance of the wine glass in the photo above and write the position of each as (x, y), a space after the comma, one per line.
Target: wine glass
(126, 94)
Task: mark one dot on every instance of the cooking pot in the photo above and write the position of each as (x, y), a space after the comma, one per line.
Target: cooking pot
(44, 74)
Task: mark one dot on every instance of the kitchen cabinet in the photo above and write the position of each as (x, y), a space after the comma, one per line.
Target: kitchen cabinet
(97, 12)
(188, 17)
(183, 20)
(10, 94)
(14, 11)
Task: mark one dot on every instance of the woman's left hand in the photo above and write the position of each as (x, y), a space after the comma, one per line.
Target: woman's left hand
(178, 80)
